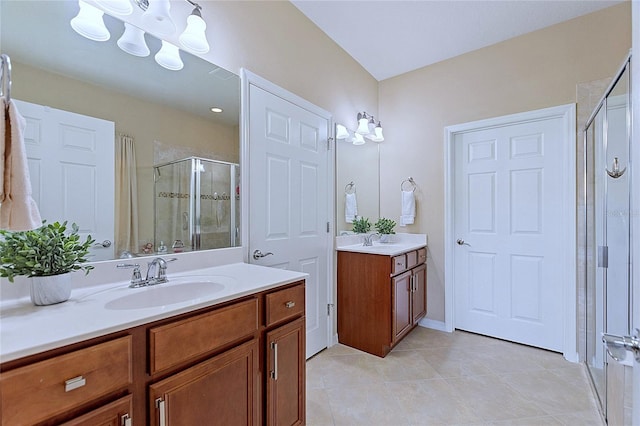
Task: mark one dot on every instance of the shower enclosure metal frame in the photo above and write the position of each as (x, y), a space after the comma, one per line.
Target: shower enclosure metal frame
(194, 223)
(601, 253)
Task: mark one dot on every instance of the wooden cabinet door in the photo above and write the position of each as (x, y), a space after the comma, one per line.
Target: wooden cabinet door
(401, 287)
(118, 413)
(220, 391)
(419, 295)
(286, 374)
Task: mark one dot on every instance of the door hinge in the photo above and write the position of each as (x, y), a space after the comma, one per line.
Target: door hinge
(329, 143)
(329, 306)
(328, 227)
(603, 256)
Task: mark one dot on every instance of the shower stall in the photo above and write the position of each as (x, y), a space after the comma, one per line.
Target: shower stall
(607, 301)
(196, 205)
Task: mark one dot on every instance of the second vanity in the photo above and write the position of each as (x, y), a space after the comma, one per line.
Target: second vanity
(233, 354)
(382, 292)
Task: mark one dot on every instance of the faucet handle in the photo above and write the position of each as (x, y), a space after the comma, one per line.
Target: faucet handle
(136, 276)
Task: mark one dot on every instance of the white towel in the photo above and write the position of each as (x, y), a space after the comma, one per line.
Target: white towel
(408, 208)
(350, 207)
(18, 211)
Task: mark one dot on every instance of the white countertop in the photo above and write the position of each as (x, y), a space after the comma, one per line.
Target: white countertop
(26, 329)
(400, 243)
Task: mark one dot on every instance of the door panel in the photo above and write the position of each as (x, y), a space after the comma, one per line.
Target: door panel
(289, 198)
(508, 261)
(72, 164)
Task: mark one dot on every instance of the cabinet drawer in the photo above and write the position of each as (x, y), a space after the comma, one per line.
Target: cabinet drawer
(45, 389)
(114, 414)
(284, 304)
(412, 259)
(398, 264)
(184, 340)
(422, 256)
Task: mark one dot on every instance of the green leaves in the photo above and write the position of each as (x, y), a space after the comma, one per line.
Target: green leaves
(361, 225)
(48, 250)
(385, 226)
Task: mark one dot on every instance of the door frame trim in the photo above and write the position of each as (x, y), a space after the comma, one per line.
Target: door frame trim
(248, 78)
(567, 211)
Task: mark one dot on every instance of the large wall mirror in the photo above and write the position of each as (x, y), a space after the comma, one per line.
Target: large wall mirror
(357, 178)
(166, 113)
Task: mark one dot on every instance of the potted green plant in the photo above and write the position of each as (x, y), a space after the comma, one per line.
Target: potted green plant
(361, 225)
(384, 227)
(46, 255)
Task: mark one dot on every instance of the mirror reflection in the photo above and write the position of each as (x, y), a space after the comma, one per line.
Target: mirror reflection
(357, 183)
(157, 116)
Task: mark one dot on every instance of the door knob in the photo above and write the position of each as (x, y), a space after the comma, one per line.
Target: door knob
(617, 346)
(461, 242)
(259, 255)
(104, 244)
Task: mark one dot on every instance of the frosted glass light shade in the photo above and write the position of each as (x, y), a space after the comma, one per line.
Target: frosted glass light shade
(341, 132)
(378, 137)
(89, 23)
(169, 57)
(158, 18)
(363, 126)
(193, 38)
(119, 7)
(133, 42)
(358, 139)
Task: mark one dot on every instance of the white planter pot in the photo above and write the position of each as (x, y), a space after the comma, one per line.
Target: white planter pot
(51, 289)
(385, 238)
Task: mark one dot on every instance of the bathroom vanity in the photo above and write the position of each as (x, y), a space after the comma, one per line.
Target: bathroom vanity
(236, 356)
(382, 294)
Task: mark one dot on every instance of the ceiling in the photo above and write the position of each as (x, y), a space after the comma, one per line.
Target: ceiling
(392, 37)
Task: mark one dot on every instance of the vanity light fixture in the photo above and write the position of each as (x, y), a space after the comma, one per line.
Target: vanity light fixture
(89, 23)
(358, 139)
(169, 57)
(132, 41)
(194, 38)
(367, 127)
(157, 17)
(341, 132)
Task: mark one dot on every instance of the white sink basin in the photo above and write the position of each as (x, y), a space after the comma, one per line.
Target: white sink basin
(177, 290)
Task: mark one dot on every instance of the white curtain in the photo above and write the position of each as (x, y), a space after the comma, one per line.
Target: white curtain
(126, 196)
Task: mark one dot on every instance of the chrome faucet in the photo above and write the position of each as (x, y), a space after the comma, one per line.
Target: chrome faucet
(368, 240)
(157, 271)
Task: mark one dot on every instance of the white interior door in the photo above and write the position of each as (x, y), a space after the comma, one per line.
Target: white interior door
(508, 260)
(71, 163)
(289, 198)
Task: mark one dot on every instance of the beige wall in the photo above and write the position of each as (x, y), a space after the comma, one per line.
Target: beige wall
(533, 71)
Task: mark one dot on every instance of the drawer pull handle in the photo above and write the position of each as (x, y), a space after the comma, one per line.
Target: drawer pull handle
(399, 263)
(75, 383)
(290, 304)
(160, 404)
(125, 420)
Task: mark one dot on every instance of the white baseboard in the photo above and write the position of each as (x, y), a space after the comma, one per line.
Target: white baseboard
(334, 340)
(433, 324)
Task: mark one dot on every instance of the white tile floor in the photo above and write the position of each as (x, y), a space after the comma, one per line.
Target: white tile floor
(436, 378)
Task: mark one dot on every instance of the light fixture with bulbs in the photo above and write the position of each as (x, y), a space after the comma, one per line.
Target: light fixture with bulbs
(367, 128)
(156, 17)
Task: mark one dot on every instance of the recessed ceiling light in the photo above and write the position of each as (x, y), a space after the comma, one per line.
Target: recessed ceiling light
(216, 109)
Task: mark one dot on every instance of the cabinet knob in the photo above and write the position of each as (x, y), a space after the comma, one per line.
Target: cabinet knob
(290, 304)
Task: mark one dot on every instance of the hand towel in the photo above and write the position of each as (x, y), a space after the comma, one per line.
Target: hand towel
(408, 208)
(350, 207)
(18, 211)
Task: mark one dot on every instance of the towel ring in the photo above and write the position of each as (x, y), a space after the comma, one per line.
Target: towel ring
(409, 181)
(5, 77)
(350, 187)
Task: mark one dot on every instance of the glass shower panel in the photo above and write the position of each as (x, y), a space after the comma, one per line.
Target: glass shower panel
(617, 208)
(595, 359)
(196, 205)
